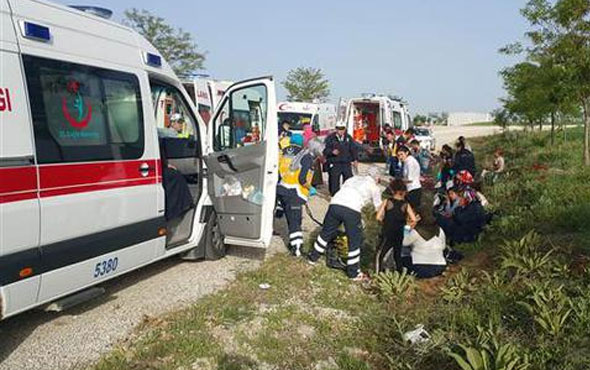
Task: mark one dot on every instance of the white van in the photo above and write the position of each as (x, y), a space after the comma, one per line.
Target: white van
(99, 140)
(367, 116)
(205, 95)
(322, 117)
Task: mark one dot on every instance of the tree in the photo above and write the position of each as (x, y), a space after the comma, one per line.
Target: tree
(307, 84)
(174, 44)
(560, 40)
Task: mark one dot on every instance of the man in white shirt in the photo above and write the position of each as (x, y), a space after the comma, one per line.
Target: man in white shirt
(411, 176)
(345, 208)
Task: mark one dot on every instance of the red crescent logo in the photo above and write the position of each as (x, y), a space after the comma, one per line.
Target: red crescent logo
(79, 125)
(281, 106)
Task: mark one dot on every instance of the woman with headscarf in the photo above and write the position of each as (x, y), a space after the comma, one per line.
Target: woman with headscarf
(467, 220)
(426, 243)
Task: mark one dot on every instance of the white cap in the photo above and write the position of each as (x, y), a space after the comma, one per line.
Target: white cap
(176, 117)
(340, 124)
(373, 172)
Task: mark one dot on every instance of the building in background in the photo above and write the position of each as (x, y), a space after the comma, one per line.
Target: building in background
(466, 118)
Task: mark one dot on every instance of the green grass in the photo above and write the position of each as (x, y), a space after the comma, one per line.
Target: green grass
(520, 296)
(492, 123)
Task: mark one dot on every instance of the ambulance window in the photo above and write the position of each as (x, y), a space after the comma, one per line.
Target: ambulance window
(177, 127)
(242, 119)
(83, 113)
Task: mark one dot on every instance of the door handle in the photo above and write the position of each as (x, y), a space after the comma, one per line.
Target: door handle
(225, 159)
(144, 169)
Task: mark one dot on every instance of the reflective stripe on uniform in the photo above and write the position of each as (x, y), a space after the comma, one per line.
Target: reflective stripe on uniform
(319, 248)
(354, 253)
(296, 235)
(353, 261)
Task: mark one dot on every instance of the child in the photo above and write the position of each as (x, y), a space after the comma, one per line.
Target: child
(394, 212)
(497, 168)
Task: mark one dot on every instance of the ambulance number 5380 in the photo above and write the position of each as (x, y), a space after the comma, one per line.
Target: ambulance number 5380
(106, 267)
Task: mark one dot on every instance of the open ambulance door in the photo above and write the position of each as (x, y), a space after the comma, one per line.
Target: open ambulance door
(242, 162)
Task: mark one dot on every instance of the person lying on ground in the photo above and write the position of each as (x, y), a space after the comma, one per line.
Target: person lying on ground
(427, 242)
(467, 221)
(395, 212)
(345, 208)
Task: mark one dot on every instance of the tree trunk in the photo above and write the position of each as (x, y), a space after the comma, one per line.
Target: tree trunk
(552, 127)
(586, 106)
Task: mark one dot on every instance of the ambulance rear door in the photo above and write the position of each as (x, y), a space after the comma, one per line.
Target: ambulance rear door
(243, 162)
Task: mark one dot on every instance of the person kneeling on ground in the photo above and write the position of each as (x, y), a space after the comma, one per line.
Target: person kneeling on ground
(394, 213)
(345, 208)
(467, 220)
(427, 242)
(294, 186)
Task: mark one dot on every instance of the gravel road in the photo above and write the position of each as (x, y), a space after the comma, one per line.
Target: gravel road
(79, 336)
(448, 134)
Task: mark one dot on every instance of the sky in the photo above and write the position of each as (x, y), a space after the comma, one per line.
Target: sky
(438, 55)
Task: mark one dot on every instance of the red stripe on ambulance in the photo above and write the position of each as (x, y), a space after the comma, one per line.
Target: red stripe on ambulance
(18, 183)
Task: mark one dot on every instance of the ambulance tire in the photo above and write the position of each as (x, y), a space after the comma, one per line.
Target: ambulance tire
(215, 247)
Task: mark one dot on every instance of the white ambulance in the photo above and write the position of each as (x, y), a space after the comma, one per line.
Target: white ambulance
(322, 117)
(206, 94)
(366, 118)
(100, 150)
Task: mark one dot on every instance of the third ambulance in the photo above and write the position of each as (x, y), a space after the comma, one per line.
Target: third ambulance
(367, 116)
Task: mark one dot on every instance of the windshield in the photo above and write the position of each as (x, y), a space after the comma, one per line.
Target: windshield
(421, 132)
(296, 120)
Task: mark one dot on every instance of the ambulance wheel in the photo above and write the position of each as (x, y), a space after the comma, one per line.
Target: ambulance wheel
(215, 247)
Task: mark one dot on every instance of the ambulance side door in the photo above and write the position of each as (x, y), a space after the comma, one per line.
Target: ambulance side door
(243, 162)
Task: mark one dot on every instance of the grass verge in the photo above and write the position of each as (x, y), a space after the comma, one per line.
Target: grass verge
(519, 300)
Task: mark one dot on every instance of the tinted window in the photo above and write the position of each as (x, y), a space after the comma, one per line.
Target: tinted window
(83, 113)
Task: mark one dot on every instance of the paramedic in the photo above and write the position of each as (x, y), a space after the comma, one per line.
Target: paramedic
(294, 186)
(345, 208)
(176, 128)
(341, 152)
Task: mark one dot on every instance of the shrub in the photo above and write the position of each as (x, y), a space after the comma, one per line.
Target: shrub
(394, 284)
(550, 307)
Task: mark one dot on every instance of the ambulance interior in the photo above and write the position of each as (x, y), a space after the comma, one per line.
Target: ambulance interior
(296, 120)
(181, 161)
(366, 122)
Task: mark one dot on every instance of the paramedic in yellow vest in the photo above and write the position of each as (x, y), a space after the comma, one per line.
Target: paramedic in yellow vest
(295, 187)
(177, 127)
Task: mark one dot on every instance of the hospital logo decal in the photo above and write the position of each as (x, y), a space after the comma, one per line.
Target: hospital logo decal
(75, 110)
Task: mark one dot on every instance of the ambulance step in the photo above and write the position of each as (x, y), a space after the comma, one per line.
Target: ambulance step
(74, 300)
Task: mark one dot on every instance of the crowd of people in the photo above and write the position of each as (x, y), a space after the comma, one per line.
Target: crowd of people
(418, 234)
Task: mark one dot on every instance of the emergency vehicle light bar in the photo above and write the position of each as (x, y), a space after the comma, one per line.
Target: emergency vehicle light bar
(153, 60)
(36, 31)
